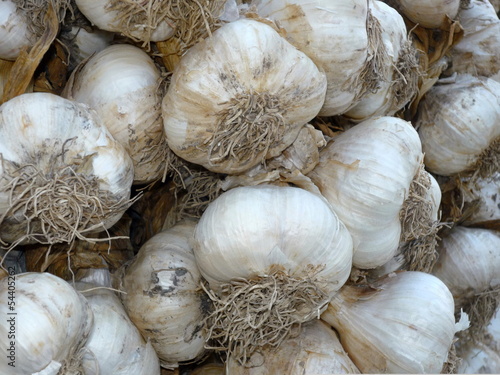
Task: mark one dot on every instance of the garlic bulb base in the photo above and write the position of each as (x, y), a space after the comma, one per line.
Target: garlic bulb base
(262, 311)
(488, 162)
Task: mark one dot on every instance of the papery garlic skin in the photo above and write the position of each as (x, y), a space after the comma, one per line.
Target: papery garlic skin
(428, 13)
(114, 345)
(51, 323)
(478, 358)
(477, 51)
(485, 194)
(102, 14)
(14, 33)
(457, 122)
(365, 174)
(163, 297)
(249, 231)
(401, 324)
(469, 262)
(316, 350)
(121, 83)
(334, 35)
(245, 76)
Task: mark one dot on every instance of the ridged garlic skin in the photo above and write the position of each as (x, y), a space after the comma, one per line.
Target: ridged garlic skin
(316, 350)
(402, 324)
(249, 231)
(365, 174)
(115, 345)
(333, 34)
(383, 101)
(244, 61)
(50, 133)
(121, 84)
(101, 14)
(14, 33)
(469, 262)
(477, 51)
(163, 297)
(51, 324)
(458, 121)
(428, 13)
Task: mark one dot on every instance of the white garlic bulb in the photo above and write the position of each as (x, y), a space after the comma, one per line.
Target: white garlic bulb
(14, 33)
(316, 350)
(428, 13)
(121, 83)
(469, 264)
(365, 173)
(478, 358)
(398, 69)
(62, 174)
(484, 194)
(240, 97)
(458, 124)
(403, 323)
(282, 248)
(45, 325)
(477, 51)
(114, 345)
(163, 296)
(337, 36)
(144, 21)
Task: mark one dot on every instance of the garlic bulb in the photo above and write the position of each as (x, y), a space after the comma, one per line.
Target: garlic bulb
(316, 350)
(403, 323)
(478, 358)
(273, 257)
(365, 173)
(145, 21)
(163, 297)
(14, 33)
(62, 174)
(484, 194)
(338, 36)
(240, 97)
(477, 51)
(458, 125)
(114, 345)
(428, 13)
(46, 323)
(121, 83)
(469, 264)
(399, 71)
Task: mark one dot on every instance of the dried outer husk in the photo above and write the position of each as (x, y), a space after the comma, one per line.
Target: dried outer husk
(273, 257)
(478, 52)
(403, 323)
(52, 323)
(469, 264)
(58, 182)
(238, 98)
(365, 173)
(315, 350)
(399, 68)
(431, 14)
(352, 62)
(458, 125)
(163, 297)
(105, 251)
(122, 84)
(114, 345)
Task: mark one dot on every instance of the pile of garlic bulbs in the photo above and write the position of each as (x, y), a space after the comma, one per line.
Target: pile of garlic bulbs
(249, 186)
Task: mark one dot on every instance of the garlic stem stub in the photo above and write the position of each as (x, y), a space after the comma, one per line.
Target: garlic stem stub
(402, 324)
(50, 327)
(340, 37)
(240, 97)
(316, 350)
(365, 173)
(458, 124)
(62, 174)
(163, 297)
(273, 257)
